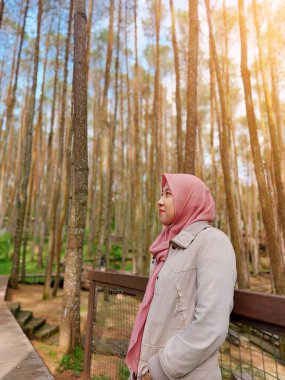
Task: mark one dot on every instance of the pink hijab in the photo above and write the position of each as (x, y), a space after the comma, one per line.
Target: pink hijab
(192, 202)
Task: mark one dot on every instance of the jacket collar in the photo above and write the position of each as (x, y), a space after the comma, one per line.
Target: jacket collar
(186, 236)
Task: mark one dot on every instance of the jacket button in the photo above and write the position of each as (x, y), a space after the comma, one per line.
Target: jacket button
(157, 277)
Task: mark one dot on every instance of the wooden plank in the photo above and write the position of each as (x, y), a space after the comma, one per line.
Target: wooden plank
(18, 358)
(3, 287)
(89, 332)
(123, 281)
(268, 308)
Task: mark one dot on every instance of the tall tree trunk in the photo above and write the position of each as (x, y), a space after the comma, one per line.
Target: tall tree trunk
(272, 128)
(58, 173)
(155, 148)
(49, 155)
(64, 208)
(70, 320)
(2, 6)
(179, 144)
(26, 160)
(6, 144)
(9, 118)
(190, 144)
(12, 98)
(17, 167)
(243, 278)
(269, 221)
(232, 141)
(89, 25)
(36, 153)
(94, 168)
(104, 142)
(212, 122)
(137, 195)
(112, 138)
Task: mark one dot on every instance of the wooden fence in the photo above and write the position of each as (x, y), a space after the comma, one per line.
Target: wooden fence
(262, 313)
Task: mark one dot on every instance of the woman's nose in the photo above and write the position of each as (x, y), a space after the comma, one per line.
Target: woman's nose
(160, 202)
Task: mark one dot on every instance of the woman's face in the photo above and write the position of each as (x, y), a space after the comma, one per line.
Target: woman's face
(166, 206)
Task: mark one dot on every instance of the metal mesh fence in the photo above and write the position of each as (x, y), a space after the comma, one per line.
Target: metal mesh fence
(251, 353)
(114, 317)
(248, 353)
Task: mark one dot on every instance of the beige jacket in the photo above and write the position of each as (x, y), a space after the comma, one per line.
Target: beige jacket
(189, 314)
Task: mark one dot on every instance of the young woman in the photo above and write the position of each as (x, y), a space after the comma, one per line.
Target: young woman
(184, 316)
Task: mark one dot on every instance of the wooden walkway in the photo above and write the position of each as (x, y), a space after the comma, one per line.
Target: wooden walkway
(18, 358)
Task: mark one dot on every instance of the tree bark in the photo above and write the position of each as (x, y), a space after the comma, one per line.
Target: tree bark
(26, 160)
(191, 127)
(243, 280)
(112, 150)
(179, 144)
(11, 99)
(36, 154)
(49, 155)
(104, 143)
(265, 197)
(276, 154)
(2, 6)
(64, 208)
(58, 173)
(70, 319)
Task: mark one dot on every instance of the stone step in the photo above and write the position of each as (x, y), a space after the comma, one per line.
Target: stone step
(14, 307)
(45, 332)
(33, 325)
(23, 317)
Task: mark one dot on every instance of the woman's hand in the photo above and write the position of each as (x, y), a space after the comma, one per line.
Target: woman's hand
(146, 376)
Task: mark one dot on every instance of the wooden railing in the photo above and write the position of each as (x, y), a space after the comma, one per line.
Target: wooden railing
(265, 312)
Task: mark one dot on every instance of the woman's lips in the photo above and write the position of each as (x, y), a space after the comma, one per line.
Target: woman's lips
(161, 211)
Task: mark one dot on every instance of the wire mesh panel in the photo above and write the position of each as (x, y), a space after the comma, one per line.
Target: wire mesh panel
(254, 349)
(251, 353)
(114, 318)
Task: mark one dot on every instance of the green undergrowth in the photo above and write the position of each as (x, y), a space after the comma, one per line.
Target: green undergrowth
(124, 372)
(7, 247)
(72, 361)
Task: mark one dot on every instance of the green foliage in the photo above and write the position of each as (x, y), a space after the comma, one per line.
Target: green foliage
(124, 372)
(6, 246)
(52, 353)
(101, 377)
(116, 252)
(72, 361)
(129, 266)
(5, 267)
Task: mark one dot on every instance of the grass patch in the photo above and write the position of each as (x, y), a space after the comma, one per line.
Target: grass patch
(72, 361)
(6, 246)
(124, 372)
(101, 377)
(52, 353)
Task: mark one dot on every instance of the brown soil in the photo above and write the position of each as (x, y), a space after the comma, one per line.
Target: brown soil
(261, 283)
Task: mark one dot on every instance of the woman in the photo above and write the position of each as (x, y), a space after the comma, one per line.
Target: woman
(184, 316)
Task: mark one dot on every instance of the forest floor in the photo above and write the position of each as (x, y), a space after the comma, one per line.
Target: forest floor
(30, 297)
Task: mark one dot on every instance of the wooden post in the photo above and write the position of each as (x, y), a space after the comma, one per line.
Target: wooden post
(89, 332)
